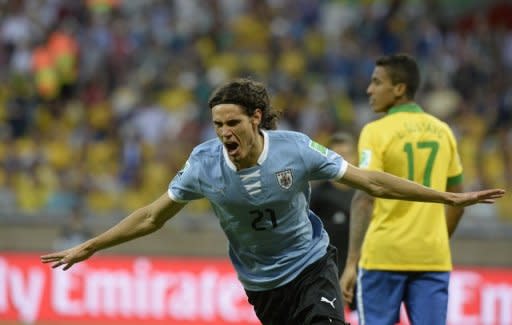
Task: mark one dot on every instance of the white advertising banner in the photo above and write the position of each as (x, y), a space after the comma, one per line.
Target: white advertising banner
(174, 290)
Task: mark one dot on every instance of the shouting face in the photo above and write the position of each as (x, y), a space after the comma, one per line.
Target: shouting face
(239, 133)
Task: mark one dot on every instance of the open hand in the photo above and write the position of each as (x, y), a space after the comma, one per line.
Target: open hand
(69, 256)
(469, 198)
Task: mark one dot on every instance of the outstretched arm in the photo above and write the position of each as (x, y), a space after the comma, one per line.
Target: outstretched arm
(360, 216)
(388, 186)
(139, 223)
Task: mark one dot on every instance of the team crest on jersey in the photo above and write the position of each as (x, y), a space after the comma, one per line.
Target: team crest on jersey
(285, 178)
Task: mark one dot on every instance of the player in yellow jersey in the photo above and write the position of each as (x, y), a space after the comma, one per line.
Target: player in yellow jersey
(402, 247)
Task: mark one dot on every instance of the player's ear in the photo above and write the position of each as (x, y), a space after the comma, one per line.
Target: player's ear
(399, 89)
(257, 116)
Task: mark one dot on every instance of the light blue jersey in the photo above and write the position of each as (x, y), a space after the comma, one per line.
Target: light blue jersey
(264, 209)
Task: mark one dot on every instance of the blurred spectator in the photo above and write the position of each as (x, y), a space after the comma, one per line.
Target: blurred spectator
(64, 52)
(45, 73)
(124, 81)
(20, 107)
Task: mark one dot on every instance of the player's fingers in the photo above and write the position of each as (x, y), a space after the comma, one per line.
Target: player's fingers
(490, 197)
(348, 286)
(56, 265)
(48, 256)
(62, 261)
(347, 296)
(49, 259)
(347, 290)
(495, 193)
(68, 266)
(54, 256)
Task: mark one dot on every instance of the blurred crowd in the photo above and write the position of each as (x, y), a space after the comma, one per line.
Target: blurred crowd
(102, 100)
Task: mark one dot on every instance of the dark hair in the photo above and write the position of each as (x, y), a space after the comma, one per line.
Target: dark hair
(249, 95)
(342, 138)
(402, 68)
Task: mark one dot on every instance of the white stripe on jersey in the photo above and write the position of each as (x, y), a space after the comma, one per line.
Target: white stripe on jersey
(255, 186)
(256, 174)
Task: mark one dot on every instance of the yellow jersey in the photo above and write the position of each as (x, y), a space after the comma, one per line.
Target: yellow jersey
(405, 235)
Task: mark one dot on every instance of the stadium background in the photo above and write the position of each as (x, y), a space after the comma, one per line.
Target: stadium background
(102, 100)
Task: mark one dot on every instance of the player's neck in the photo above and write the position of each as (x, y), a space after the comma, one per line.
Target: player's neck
(253, 154)
(402, 101)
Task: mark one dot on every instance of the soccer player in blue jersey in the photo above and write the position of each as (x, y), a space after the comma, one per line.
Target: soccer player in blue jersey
(257, 181)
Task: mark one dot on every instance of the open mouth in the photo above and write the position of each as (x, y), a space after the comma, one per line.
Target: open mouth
(231, 147)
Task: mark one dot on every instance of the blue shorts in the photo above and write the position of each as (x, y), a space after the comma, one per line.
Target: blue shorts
(380, 294)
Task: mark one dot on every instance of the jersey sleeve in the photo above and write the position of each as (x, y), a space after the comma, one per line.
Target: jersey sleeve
(322, 163)
(455, 165)
(185, 185)
(370, 157)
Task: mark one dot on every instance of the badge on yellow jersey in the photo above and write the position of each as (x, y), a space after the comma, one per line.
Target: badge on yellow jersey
(365, 158)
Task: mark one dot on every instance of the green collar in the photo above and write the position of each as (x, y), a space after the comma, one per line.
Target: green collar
(408, 107)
